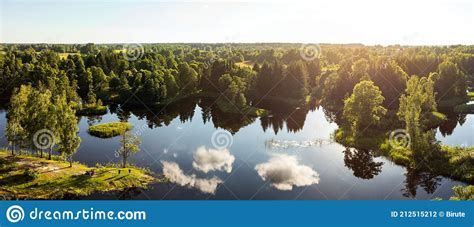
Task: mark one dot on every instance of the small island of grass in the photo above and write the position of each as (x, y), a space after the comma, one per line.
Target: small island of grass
(91, 109)
(28, 177)
(109, 130)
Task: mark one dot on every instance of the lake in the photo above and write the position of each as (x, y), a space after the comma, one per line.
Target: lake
(207, 154)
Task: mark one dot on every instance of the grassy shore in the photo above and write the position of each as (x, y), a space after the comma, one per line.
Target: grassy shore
(29, 177)
(109, 130)
(453, 162)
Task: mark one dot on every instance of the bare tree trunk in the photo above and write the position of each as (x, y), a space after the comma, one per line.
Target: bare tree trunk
(13, 145)
(49, 152)
(124, 151)
(124, 160)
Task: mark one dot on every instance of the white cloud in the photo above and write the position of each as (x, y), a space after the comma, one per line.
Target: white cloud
(284, 172)
(210, 160)
(173, 172)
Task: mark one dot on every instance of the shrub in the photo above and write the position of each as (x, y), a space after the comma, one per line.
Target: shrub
(31, 174)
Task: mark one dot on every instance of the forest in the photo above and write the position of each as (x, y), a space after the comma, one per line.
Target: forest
(369, 91)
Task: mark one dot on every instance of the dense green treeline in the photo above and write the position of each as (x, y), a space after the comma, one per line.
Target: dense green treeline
(371, 92)
(163, 73)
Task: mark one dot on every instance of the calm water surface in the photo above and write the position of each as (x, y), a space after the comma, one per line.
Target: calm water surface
(288, 155)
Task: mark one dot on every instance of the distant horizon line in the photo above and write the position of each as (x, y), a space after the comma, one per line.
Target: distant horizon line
(319, 43)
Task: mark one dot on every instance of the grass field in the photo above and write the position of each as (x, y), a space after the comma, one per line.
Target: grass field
(29, 177)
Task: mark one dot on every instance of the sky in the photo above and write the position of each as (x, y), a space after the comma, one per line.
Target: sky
(370, 22)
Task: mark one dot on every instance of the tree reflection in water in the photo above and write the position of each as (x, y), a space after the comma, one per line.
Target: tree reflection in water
(448, 126)
(414, 179)
(158, 116)
(362, 163)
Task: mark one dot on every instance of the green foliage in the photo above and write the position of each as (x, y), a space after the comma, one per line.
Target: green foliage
(457, 162)
(15, 129)
(109, 130)
(360, 69)
(418, 102)
(168, 72)
(92, 109)
(449, 81)
(31, 174)
(67, 128)
(364, 107)
(400, 154)
(345, 137)
(340, 84)
(453, 162)
(433, 119)
(34, 110)
(296, 81)
(463, 193)
(391, 79)
(129, 144)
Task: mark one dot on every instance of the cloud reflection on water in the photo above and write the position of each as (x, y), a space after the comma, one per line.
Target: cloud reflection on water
(207, 160)
(173, 172)
(283, 172)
